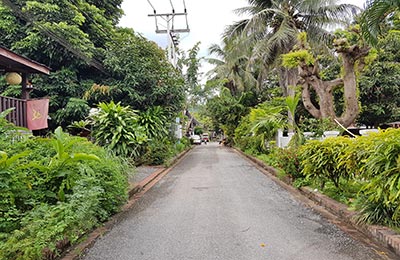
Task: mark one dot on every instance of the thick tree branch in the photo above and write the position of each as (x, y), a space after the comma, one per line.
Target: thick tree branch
(306, 98)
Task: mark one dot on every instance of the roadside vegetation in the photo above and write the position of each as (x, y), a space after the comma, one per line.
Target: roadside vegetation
(115, 98)
(279, 72)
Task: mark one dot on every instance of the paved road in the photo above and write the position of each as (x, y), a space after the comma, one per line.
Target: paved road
(216, 205)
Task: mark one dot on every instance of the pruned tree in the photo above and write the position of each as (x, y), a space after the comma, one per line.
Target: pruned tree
(353, 60)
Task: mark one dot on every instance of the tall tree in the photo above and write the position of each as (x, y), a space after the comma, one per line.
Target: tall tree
(353, 55)
(372, 19)
(273, 26)
(379, 84)
(230, 61)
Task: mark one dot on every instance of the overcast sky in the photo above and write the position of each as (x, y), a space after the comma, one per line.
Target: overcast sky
(206, 19)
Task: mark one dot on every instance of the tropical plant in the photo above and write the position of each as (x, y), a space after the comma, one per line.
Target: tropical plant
(231, 65)
(320, 160)
(353, 54)
(265, 120)
(75, 110)
(117, 128)
(380, 197)
(379, 83)
(141, 75)
(60, 175)
(288, 160)
(154, 122)
(373, 18)
(273, 26)
(227, 110)
(36, 220)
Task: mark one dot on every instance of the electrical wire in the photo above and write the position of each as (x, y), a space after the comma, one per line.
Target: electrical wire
(94, 22)
(184, 6)
(154, 10)
(173, 9)
(185, 11)
(28, 18)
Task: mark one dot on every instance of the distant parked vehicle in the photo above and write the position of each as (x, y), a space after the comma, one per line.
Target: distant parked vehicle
(196, 139)
(205, 137)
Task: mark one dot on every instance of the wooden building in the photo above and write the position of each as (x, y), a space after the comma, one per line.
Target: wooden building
(12, 62)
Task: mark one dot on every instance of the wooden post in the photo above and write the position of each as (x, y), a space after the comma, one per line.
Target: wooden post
(25, 91)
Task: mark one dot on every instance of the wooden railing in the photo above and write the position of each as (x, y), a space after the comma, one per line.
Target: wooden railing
(18, 115)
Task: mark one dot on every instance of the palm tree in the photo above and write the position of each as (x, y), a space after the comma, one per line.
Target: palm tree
(374, 15)
(273, 27)
(230, 64)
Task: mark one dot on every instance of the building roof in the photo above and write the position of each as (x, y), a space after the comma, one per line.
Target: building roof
(13, 62)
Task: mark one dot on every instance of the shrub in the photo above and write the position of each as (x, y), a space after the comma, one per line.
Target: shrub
(379, 200)
(117, 128)
(320, 160)
(288, 160)
(52, 190)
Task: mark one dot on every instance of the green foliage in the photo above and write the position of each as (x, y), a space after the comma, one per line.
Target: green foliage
(5, 126)
(60, 171)
(198, 130)
(117, 128)
(52, 191)
(382, 170)
(294, 58)
(141, 75)
(227, 110)
(154, 122)
(160, 151)
(364, 169)
(246, 140)
(316, 126)
(288, 160)
(80, 42)
(75, 110)
(320, 160)
(265, 120)
(259, 127)
(379, 83)
(46, 225)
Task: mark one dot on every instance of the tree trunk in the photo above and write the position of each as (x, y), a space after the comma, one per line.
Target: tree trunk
(350, 92)
(310, 79)
(288, 80)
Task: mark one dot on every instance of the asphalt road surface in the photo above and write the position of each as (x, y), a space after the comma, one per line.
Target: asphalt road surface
(216, 205)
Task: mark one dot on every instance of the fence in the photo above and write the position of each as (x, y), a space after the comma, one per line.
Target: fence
(18, 115)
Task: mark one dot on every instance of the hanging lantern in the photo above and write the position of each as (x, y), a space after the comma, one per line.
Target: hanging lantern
(13, 78)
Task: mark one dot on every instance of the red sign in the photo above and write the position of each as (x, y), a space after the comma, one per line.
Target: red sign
(37, 111)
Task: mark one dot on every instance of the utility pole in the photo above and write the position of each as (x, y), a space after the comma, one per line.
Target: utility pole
(170, 30)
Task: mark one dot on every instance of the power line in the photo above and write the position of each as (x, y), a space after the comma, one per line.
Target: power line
(170, 29)
(154, 10)
(173, 9)
(94, 22)
(28, 18)
(184, 6)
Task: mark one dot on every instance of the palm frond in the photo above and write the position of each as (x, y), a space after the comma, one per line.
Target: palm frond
(374, 15)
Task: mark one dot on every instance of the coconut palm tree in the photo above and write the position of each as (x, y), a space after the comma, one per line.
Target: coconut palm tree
(273, 26)
(374, 15)
(230, 63)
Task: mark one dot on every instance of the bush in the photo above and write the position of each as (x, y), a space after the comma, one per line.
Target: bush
(117, 128)
(288, 160)
(52, 190)
(160, 151)
(320, 160)
(380, 196)
(367, 167)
